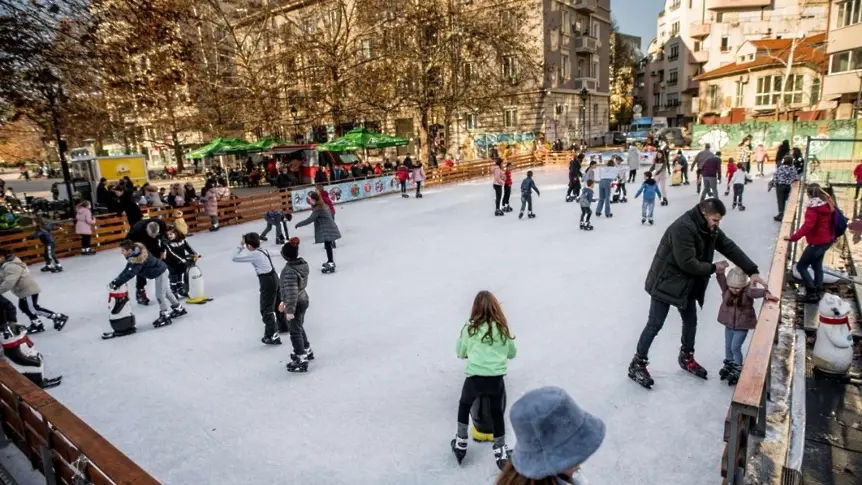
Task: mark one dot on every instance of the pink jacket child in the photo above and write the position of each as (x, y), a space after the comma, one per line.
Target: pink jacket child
(84, 223)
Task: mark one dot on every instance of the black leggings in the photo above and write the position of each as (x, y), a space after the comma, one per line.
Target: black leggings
(586, 212)
(418, 188)
(507, 192)
(30, 307)
(574, 189)
(476, 387)
(498, 194)
(85, 241)
(329, 254)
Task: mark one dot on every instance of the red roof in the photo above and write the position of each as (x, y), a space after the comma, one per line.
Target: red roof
(774, 53)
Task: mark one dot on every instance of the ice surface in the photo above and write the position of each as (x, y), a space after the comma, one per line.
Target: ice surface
(203, 401)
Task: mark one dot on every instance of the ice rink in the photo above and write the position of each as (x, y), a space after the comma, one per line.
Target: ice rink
(204, 402)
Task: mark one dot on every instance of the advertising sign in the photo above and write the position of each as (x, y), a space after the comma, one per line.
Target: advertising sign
(341, 192)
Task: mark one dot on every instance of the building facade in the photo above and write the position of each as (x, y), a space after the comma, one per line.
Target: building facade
(842, 87)
(697, 36)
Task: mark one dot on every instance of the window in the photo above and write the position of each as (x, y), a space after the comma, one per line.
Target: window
(566, 25)
(763, 95)
(719, 17)
(595, 113)
(596, 31)
(675, 5)
(661, 76)
(725, 44)
(698, 45)
(510, 116)
(565, 68)
(308, 25)
(334, 18)
(595, 71)
(674, 29)
(672, 100)
(472, 121)
(672, 77)
(849, 13)
(815, 91)
(793, 89)
(582, 68)
(769, 90)
(713, 96)
(740, 92)
(509, 67)
(846, 61)
(674, 52)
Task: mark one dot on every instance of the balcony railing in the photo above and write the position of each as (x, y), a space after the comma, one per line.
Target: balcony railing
(698, 57)
(586, 6)
(699, 30)
(586, 44)
(590, 83)
(692, 86)
(735, 4)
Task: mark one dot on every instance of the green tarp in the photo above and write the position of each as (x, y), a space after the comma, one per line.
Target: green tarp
(360, 138)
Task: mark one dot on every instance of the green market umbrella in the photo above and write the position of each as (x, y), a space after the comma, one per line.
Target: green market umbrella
(360, 138)
(215, 147)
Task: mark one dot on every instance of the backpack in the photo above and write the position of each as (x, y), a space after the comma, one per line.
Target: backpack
(839, 223)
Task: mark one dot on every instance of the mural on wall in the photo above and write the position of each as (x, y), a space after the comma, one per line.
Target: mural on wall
(772, 133)
(478, 145)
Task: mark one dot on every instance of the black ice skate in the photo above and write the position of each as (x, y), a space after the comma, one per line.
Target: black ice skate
(271, 340)
(651, 222)
(300, 365)
(328, 268)
(725, 371)
(177, 311)
(418, 196)
(741, 207)
(59, 321)
(501, 455)
(110, 335)
(588, 227)
(734, 204)
(498, 212)
(52, 382)
(162, 321)
(638, 372)
(309, 354)
(569, 198)
(36, 326)
(459, 447)
(531, 215)
(214, 228)
(609, 216)
(264, 238)
(508, 209)
(47, 268)
(733, 376)
(643, 220)
(405, 196)
(142, 297)
(279, 240)
(664, 202)
(57, 269)
(688, 364)
(520, 215)
(582, 226)
(624, 199)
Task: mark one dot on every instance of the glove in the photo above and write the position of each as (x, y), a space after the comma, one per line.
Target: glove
(113, 286)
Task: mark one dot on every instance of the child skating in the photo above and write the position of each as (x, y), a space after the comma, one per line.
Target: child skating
(403, 174)
(650, 190)
(737, 315)
(84, 224)
(180, 223)
(587, 197)
(325, 230)
(16, 277)
(276, 219)
(249, 251)
(488, 345)
(139, 262)
(294, 304)
(179, 256)
(43, 234)
(737, 181)
(527, 188)
(507, 188)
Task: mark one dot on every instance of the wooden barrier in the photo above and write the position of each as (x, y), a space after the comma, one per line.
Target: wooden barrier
(64, 448)
(747, 413)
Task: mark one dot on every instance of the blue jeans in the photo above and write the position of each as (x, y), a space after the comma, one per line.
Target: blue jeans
(604, 197)
(733, 340)
(647, 208)
(812, 257)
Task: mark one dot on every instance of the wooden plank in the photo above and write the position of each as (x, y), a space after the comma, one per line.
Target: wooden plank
(750, 388)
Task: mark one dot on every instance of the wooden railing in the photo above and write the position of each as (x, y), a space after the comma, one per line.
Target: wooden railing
(747, 413)
(56, 442)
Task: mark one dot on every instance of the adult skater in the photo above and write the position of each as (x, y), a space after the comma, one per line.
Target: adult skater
(139, 262)
(16, 277)
(249, 251)
(679, 274)
(574, 189)
(499, 181)
(294, 303)
(710, 173)
(782, 181)
(325, 230)
(148, 232)
(634, 159)
(659, 171)
(607, 174)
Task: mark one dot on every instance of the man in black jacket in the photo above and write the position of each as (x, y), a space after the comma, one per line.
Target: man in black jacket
(679, 275)
(148, 232)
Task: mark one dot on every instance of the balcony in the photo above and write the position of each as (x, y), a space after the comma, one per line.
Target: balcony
(692, 87)
(590, 83)
(736, 4)
(585, 6)
(699, 57)
(699, 30)
(585, 44)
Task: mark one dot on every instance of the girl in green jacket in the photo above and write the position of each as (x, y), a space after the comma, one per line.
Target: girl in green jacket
(487, 344)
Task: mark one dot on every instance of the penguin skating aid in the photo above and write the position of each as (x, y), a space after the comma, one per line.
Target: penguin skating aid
(120, 313)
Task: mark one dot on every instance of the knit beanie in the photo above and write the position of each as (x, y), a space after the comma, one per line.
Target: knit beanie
(736, 278)
(290, 250)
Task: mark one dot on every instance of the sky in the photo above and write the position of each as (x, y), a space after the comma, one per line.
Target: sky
(637, 17)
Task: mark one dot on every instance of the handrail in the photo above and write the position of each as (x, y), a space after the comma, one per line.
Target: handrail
(56, 441)
(747, 411)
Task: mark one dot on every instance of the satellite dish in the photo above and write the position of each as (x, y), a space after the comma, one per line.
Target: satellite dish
(637, 109)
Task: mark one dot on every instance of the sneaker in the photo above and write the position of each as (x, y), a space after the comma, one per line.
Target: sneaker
(273, 340)
(177, 311)
(501, 455)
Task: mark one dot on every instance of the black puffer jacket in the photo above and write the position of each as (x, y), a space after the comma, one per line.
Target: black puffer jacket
(138, 234)
(294, 279)
(683, 265)
(140, 263)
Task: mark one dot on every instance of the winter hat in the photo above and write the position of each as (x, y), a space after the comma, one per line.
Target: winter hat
(553, 433)
(153, 229)
(736, 278)
(290, 250)
(178, 214)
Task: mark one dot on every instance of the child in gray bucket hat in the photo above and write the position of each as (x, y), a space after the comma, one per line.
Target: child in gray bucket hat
(554, 437)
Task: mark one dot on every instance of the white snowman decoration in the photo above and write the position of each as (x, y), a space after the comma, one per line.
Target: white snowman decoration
(833, 350)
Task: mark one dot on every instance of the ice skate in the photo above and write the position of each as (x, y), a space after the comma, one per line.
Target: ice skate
(650, 220)
(624, 199)
(162, 321)
(688, 364)
(459, 447)
(47, 268)
(520, 215)
(725, 371)
(609, 215)
(271, 340)
(643, 220)
(279, 240)
(583, 226)
(588, 227)
(778, 218)
(264, 238)
(734, 204)
(57, 269)
(664, 202)
(328, 268)
(741, 207)
(59, 321)
(52, 382)
(405, 196)
(36, 326)
(298, 365)
(142, 297)
(501, 455)
(177, 311)
(531, 215)
(214, 228)
(309, 354)
(638, 372)
(110, 335)
(498, 212)
(507, 209)
(733, 376)
(569, 198)
(418, 196)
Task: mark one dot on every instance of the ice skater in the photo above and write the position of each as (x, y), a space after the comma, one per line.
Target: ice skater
(634, 159)
(249, 251)
(276, 219)
(294, 304)
(418, 178)
(507, 188)
(607, 175)
(16, 277)
(659, 173)
(587, 198)
(527, 188)
(499, 181)
(737, 181)
(325, 230)
(84, 224)
(140, 263)
(737, 315)
(148, 232)
(710, 175)
(403, 174)
(488, 345)
(650, 190)
(44, 234)
(179, 256)
(574, 189)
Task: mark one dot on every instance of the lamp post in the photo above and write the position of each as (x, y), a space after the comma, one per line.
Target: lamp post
(293, 116)
(458, 119)
(584, 94)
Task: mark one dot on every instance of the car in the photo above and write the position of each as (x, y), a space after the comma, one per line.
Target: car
(637, 137)
(616, 137)
(675, 137)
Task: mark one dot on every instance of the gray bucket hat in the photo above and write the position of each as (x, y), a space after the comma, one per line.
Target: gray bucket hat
(553, 433)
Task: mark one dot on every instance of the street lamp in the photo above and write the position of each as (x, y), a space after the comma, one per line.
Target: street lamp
(458, 119)
(293, 115)
(584, 95)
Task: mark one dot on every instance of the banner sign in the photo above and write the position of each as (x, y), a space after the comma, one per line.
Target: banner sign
(341, 192)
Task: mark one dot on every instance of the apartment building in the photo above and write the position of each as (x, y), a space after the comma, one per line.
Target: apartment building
(842, 86)
(698, 36)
